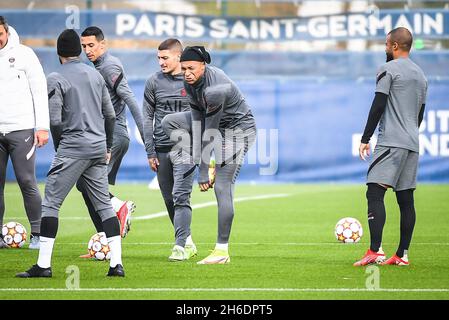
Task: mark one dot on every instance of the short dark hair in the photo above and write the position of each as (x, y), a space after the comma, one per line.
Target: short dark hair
(403, 37)
(93, 31)
(170, 44)
(4, 23)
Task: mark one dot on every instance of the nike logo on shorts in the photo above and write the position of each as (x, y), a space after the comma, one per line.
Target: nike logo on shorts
(26, 140)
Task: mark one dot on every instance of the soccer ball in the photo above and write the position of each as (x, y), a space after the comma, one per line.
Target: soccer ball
(348, 230)
(14, 234)
(98, 247)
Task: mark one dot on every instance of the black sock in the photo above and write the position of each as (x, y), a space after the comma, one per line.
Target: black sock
(376, 214)
(408, 218)
(49, 227)
(111, 227)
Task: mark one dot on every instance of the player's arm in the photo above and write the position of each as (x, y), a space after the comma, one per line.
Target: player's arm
(377, 110)
(423, 106)
(55, 102)
(109, 117)
(123, 90)
(421, 114)
(149, 107)
(38, 87)
(384, 79)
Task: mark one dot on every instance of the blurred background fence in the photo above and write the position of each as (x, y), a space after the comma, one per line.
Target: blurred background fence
(307, 68)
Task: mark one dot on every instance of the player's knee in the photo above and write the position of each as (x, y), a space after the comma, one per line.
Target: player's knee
(167, 125)
(405, 197)
(50, 211)
(166, 194)
(181, 200)
(169, 201)
(27, 182)
(222, 189)
(375, 192)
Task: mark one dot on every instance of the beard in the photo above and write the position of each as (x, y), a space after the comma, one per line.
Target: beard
(389, 56)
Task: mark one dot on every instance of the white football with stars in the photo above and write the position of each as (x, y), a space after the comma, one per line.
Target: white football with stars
(348, 230)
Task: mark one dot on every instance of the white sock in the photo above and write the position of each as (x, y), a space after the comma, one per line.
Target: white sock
(189, 241)
(405, 256)
(221, 246)
(115, 244)
(380, 251)
(116, 203)
(45, 251)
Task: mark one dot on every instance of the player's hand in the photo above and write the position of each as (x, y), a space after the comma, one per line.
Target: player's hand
(154, 163)
(40, 138)
(205, 186)
(108, 157)
(364, 151)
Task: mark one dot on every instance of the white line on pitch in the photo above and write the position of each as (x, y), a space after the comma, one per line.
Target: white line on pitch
(418, 290)
(213, 203)
(195, 206)
(260, 243)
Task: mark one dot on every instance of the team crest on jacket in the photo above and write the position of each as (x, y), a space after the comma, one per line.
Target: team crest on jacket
(183, 92)
(12, 59)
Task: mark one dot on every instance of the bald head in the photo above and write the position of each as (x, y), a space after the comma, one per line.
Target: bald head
(398, 43)
(403, 37)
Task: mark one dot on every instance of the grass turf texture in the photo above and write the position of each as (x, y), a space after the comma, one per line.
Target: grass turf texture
(281, 248)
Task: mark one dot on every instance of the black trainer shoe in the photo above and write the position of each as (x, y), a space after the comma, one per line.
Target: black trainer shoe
(117, 271)
(35, 272)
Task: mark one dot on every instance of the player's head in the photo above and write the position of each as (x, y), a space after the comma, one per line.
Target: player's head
(399, 42)
(94, 45)
(193, 63)
(169, 55)
(68, 44)
(3, 32)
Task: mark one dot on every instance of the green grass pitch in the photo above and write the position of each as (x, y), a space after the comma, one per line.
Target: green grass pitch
(282, 247)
